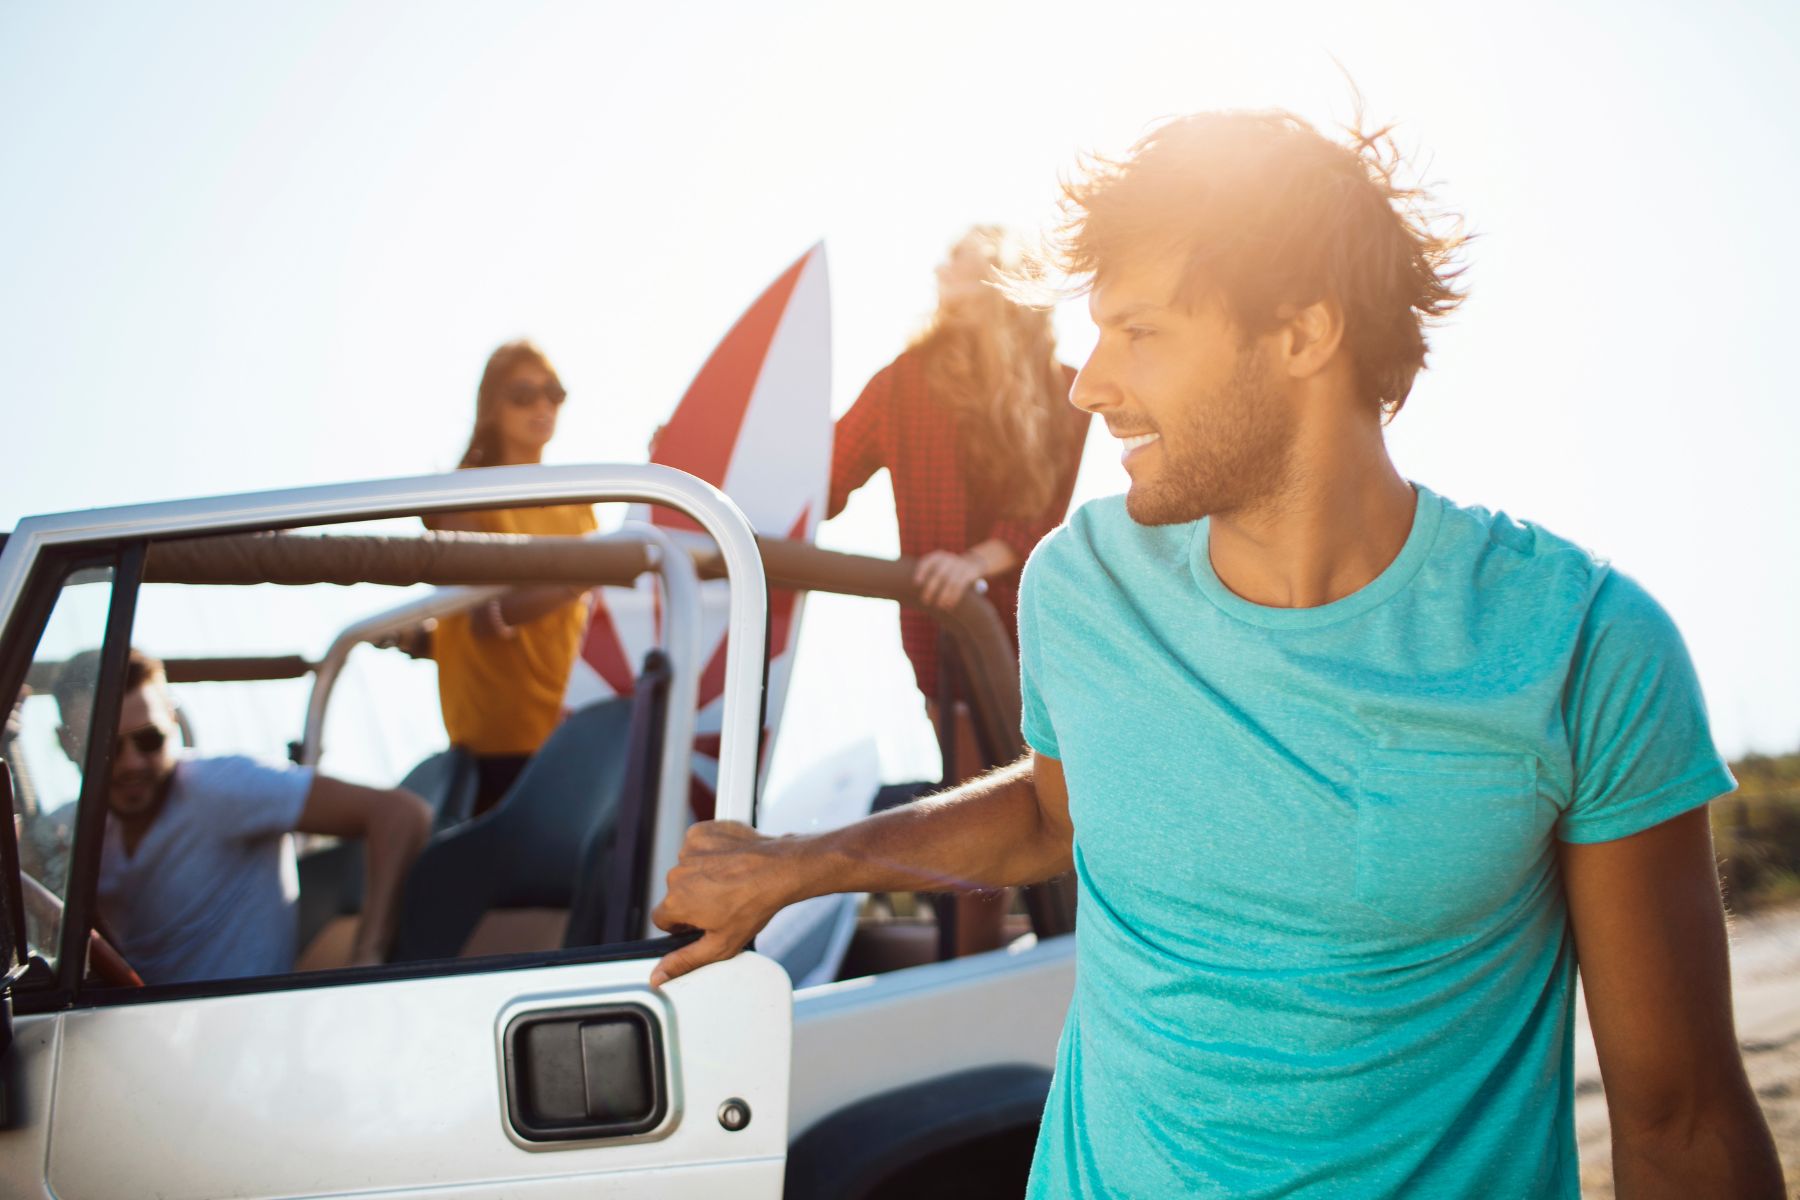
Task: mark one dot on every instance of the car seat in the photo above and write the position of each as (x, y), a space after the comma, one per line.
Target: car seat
(331, 878)
(613, 887)
(447, 781)
(526, 851)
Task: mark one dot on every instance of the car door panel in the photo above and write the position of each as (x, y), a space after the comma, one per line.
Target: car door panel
(399, 1088)
(342, 1085)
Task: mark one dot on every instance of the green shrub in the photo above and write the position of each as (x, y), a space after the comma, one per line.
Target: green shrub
(1757, 832)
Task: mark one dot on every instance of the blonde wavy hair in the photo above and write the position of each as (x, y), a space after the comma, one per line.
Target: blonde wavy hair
(993, 362)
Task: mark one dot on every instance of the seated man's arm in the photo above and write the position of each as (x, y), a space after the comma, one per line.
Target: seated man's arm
(995, 831)
(394, 826)
(1650, 938)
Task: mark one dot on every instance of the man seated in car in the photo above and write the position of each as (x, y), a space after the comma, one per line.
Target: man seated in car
(197, 872)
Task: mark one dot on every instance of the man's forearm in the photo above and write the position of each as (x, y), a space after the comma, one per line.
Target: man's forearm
(392, 843)
(1725, 1152)
(1006, 827)
(988, 833)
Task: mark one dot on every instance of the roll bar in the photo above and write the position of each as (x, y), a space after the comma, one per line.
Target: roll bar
(648, 546)
(485, 561)
(440, 559)
(493, 487)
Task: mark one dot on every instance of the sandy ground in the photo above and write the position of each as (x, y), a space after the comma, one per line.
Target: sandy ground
(1765, 972)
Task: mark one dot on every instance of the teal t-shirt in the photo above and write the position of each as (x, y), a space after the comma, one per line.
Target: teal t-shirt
(1322, 946)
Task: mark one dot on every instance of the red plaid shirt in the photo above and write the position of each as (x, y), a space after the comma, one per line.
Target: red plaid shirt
(896, 424)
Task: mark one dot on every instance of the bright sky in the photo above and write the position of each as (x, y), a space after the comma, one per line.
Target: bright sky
(252, 246)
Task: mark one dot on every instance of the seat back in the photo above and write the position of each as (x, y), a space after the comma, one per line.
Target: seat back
(446, 781)
(614, 886)
(331, 886)
(525, 852)
(331, 878)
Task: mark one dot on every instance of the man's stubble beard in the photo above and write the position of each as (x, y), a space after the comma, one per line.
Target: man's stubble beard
(1229, 451)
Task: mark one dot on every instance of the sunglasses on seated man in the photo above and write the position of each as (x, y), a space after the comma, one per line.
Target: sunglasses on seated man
(145, 739)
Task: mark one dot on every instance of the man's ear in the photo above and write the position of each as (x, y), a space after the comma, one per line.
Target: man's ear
(1311, 336)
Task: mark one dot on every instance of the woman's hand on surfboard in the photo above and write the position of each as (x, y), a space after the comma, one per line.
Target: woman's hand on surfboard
(943, 577)
(729, 881)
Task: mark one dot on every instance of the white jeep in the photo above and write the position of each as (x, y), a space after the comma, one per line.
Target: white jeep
(512, 1045)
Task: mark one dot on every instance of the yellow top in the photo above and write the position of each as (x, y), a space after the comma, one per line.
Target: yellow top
(502, 695)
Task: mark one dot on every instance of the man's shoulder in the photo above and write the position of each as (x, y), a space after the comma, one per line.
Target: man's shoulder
(1103, 528)
(234, 775)
(1100, 544)
(1503, 553)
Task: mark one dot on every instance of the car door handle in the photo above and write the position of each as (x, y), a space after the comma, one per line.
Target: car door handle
(577, 1074)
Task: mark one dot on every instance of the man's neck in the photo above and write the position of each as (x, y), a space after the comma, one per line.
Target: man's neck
(1338, 521)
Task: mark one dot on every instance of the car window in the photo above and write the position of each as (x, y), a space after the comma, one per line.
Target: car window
(336, 671)
(45, 743)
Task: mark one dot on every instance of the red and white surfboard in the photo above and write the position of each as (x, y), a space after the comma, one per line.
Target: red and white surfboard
(755, 423)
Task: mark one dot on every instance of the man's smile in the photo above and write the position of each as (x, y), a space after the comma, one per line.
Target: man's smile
(1136, 443)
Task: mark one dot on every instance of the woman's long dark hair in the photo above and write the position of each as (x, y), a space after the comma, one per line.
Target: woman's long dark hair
(484, 441)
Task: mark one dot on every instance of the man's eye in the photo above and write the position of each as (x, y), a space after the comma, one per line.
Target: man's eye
(1138, 332)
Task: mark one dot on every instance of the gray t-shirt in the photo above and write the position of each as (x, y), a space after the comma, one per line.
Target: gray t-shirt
(210, 891)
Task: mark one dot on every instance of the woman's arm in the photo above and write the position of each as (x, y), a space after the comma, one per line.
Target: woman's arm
(943, 577)
(501, 616)
(455, 522)
(860, 439)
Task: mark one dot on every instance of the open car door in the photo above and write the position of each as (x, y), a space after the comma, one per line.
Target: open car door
(532, 1075)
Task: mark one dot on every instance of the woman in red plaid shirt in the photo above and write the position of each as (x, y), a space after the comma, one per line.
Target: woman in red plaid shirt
(974, 424)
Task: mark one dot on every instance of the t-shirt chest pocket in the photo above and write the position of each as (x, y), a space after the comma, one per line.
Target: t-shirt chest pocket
(1442, 838)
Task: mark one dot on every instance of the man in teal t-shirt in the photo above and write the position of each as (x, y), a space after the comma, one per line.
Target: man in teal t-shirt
(1352, 778)
(1323, 942)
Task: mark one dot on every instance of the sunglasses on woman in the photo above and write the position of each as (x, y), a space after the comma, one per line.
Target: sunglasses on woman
(145, 739)
(524, 395)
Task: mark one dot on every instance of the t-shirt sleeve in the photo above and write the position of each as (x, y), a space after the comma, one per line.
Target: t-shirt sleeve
(1034, 715)
(1638, 733)
(247, 798)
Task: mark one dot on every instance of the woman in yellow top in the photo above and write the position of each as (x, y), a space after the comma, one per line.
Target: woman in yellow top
(502, 667)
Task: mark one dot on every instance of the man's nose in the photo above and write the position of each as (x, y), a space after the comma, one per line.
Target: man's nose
(1091, 391)
(127, 757)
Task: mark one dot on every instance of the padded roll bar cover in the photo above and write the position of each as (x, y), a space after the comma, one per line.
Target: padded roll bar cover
(849, 1153)
(443, 559)
(991, 668)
